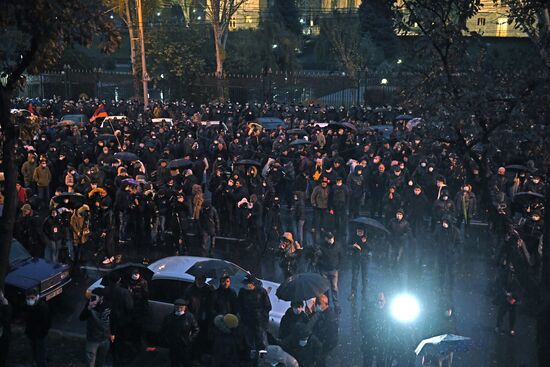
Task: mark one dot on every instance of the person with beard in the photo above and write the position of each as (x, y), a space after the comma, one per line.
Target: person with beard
(373, 323)
(180, 222)
(224, 299)
(447, 240)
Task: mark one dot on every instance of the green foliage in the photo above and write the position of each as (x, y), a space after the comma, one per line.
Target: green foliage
(286, 13)
(376, 17)
(180, 54)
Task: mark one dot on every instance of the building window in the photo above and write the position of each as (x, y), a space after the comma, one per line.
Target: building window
(502, 27)
(232, 23)
(480, 21)
(248, 19)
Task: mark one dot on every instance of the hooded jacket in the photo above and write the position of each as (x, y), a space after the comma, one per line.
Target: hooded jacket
(80, 225)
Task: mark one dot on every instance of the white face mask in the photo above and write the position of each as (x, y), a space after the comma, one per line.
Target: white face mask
(135, 276)
(331, 241)
(31, 301)
(178, 312)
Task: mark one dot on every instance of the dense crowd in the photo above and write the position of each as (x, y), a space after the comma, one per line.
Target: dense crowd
(180, 171)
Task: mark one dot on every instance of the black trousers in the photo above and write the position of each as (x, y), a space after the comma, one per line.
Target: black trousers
(180, 356)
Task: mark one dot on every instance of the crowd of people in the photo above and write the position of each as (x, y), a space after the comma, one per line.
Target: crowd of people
(180, 171)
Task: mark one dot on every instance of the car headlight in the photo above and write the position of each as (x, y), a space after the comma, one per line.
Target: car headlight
(64, 275)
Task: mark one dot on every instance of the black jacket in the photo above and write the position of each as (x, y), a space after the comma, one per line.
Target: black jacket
(289, 321)
(224, 301)
(330, 256)
(98, 323)
(180, 331)
(37, 320)
(254, 306)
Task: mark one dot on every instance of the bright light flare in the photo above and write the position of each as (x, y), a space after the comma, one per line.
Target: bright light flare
(405, 308)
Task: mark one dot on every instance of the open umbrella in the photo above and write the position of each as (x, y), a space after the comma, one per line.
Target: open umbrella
(412, 123)
(248, 162)
(180, 164)
(300, 132)
(126, 156)
(300, 142)
(444, 344)
(130, 182)
(214, 268)
(526, 196)
(344, 125)
(403, 117)
(70, 200)
(371, 223)
(517, 168)
(300, 287)
(125, 272)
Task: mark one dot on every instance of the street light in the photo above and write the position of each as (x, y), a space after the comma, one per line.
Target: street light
(405, 308)
(399, 61)
(275, 46)
(384, 81)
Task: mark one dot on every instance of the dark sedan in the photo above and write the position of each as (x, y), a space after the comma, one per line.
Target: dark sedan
(27, 272)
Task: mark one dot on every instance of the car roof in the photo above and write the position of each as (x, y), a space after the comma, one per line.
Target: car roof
(176, 266)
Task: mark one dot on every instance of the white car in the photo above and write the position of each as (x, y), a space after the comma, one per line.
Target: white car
(170, 281)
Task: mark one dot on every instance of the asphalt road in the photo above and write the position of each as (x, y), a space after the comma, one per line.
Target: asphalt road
(472, 296)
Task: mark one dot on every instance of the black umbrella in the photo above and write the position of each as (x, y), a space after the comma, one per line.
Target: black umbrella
(125, 272)
(343, 125)
(248, 162)
(302, 286)
(180, 164)
(371, 223)
(527, 196)
(126, 156)
(70, 200)
(403, 117)
(300, 142)
(300, 132)
(516, 168)
(214, 268)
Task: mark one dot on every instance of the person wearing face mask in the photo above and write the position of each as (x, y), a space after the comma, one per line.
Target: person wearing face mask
(99, 331)
(447, 240)
(373, 324)
(293, 316)
(324, 326)
(5, 328)
(37, 326)
(180, 330)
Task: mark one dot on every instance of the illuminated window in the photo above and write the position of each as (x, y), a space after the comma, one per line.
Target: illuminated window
(480, 21)
(232, 23)
(248, 19)
(502, 27)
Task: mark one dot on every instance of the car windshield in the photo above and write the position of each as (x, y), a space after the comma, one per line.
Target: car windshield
(18, 253)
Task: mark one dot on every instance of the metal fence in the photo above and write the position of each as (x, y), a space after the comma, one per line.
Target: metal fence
(298, 87)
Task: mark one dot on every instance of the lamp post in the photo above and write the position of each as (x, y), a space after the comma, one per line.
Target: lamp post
(66, 80)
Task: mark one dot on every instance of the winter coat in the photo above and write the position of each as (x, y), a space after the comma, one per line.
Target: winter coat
(289, 321)
(27, 170)
(179, 331)
(199, 301)
(399, 229)
(37, 320)
(330, 256)
(42, 176)
(229, 348)
(80, 225)
(465, 204)
(324, 326)
(320, 197)
(254, 306)
(339, 197)
(224, 301)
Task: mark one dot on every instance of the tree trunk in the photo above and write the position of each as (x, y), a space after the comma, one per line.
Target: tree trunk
(220, 52)
(133, 48)
(7, 221)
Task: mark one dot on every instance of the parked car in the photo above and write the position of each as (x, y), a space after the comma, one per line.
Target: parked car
(170, 280)
(26, 272)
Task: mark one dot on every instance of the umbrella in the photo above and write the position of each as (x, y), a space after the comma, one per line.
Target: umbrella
(444, 344)
(413, 123)
(248, 162)
(130, 182)
(372, 223)
(300, 142)
(516, 168)
(527, 196)
(70, 200)
(106, 137)
(300, 287)
(300, 132)
(403, 117)
(344, 125)
(126, 156)
(214, 268)
(180, 164)
(125, 272)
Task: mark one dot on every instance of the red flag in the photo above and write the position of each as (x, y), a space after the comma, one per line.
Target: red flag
(30, 108)
(99, 112)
